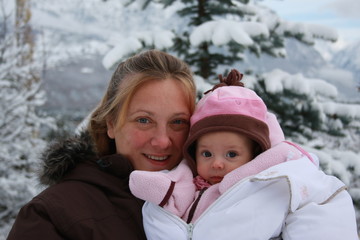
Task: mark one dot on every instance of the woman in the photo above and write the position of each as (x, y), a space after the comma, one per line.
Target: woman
(141, 124)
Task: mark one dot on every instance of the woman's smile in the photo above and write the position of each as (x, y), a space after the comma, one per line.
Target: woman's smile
(157, 158)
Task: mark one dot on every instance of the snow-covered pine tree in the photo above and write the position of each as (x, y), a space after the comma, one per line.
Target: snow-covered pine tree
(296, 109)
(307, 107)
(20, 96)
(219, 32)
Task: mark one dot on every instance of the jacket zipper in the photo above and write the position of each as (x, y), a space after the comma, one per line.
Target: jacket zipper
(193, 207)
(189, 227)
(190, 231)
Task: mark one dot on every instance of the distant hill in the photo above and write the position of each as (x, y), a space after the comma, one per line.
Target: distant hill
(349, 59)
(76, 85)
(343, 70)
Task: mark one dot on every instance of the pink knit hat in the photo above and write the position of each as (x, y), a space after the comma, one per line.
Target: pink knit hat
(229, 107)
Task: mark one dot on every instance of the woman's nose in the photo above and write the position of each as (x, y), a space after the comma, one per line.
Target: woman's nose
(161, 138)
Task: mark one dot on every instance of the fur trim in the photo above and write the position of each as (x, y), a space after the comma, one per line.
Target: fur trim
(62, 156)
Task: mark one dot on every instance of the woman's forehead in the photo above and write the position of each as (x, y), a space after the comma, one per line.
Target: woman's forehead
(160, 96)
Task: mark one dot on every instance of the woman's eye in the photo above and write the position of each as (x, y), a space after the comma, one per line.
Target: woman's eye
(179, 124)
(231, 154)
(180, 121)
(177, 121)
(143, 120)
(206, 154)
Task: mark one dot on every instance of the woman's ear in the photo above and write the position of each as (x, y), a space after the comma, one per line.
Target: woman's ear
(110, 129)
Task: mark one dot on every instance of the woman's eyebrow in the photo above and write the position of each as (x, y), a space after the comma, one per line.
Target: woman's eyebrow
(141, 111)
(182, 114)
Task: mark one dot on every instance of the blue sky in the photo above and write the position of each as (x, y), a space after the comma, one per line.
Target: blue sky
(343, 15)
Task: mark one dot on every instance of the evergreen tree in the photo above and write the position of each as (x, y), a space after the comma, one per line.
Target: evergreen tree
(296, 110)
(307, 107)
(219, 33)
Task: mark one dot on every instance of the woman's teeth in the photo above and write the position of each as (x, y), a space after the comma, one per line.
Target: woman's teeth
(157, 158)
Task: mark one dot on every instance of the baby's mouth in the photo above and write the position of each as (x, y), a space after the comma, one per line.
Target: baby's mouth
(216, 179)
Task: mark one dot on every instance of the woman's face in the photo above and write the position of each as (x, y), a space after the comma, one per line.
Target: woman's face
(156, 126)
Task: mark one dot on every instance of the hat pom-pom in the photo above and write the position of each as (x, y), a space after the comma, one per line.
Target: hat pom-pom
(233, 79)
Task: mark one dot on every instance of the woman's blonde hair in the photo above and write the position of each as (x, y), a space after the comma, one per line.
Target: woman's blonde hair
(128, 77)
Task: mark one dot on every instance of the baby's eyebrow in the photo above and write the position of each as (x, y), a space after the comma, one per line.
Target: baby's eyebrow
(234, 146)
(202, 146)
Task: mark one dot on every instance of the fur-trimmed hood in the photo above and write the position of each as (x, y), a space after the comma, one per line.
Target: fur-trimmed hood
(62, 156)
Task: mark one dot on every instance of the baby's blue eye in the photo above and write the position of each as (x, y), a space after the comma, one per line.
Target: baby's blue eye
(231, 154)
(206, 154)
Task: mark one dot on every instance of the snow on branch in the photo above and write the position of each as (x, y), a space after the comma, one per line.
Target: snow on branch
(348, 110)
(278, 80)
(159, 39)
(341, 163)
(221, 32)
(126, 47)
(310, 32)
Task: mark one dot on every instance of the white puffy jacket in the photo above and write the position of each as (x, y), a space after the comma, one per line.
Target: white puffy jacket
(291, 201)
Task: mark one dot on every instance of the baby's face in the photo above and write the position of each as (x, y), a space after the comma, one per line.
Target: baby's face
(218, 153)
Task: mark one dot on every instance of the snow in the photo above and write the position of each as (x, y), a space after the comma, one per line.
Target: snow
(311, 31)
(202, 85)
(221, 32)
(267, 16)
(278, 80)
(159, 39)
(347, 110)
(349, 57)
(338, 162)
(86, 70)
(126, 47)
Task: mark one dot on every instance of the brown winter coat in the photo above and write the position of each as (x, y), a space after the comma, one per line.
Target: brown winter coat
(89, 198)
